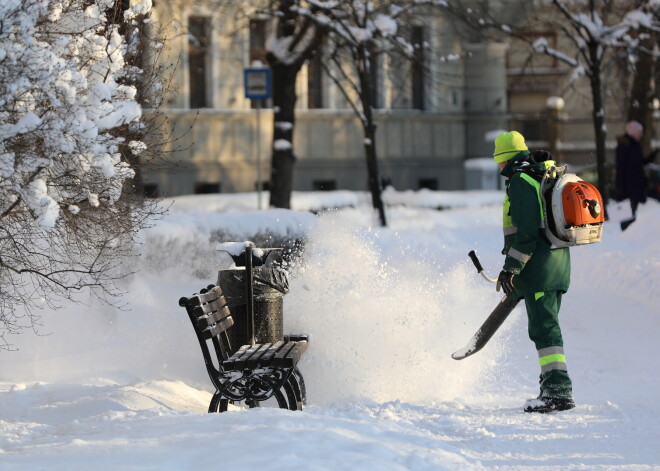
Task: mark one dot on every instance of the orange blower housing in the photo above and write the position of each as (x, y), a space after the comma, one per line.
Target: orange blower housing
(573, 210)
(583, 204)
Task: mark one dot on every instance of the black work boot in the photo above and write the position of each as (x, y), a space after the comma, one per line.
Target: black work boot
(543, 405)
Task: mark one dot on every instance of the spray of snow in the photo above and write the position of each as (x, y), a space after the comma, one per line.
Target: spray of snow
(383, 319)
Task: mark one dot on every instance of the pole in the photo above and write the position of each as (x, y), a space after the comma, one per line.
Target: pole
(249, 294)
(259, 182)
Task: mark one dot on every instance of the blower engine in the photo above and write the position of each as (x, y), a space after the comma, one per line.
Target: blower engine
(573, 209)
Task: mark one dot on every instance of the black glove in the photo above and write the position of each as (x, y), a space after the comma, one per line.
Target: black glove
(505, 281)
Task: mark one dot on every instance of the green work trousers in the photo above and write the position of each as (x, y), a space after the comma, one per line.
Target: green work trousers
(544, 331)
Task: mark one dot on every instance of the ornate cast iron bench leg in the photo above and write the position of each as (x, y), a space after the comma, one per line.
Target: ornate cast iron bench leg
(301, 384)
(292, 389)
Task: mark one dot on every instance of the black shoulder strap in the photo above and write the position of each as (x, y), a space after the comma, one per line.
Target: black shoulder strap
(540, 156)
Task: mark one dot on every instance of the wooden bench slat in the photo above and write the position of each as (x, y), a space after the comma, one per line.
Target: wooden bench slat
(292, 356)
(209, 296)
(228, 363)
(215, 291)
(247, 360)
(283, 352)
(216, 304)
(242, 353)
(212, 318)
(267, 357)
(218, 328)
(244, 350)
(264, 356)
(209, 307)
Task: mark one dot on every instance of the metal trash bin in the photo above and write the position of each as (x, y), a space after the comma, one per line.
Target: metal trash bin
(269, 285)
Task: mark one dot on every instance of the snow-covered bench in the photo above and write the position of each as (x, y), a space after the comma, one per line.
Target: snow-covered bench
(255, 372)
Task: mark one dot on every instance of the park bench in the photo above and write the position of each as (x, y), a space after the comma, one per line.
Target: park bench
(251, 373)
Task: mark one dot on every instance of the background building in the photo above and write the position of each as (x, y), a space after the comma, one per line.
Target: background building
(432, 116)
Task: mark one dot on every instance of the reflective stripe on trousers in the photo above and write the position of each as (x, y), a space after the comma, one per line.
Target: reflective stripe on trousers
(552, 358)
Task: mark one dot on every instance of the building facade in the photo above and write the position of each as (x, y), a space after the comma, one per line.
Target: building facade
(431, 116)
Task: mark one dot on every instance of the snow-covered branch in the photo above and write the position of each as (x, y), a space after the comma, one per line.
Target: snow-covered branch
(61, 100)
(541, 45)
(68, 106)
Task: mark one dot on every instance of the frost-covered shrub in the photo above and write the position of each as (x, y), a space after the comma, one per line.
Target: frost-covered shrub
(69, 124)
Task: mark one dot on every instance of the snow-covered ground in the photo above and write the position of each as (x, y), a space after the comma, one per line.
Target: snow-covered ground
(107, 389)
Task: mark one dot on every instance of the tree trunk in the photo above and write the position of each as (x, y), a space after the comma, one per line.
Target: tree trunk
(283, 158)
(372, 169)
(366, 97)
(643, 90)
(291, 25)
(598, 115)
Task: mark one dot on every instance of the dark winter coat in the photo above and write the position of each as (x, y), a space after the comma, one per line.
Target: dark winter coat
(630, 179)
(527, 250)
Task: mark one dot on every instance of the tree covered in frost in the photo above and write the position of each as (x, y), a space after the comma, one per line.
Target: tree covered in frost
(360, 33)
(595, 31)
(68, 120)
(295, 39)
(348, 35)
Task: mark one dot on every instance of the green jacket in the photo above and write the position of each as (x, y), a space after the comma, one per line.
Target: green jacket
(528, 254)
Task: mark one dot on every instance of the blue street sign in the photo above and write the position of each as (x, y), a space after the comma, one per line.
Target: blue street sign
(257, 83)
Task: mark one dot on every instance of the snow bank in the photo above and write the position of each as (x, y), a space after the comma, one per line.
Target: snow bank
(323, 200)
(120, 389)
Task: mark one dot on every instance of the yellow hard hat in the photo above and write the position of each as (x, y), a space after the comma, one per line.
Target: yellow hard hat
(507, 145)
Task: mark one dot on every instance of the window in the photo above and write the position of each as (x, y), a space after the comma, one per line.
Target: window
(258, 33)
(418, 69)
(198, 61)
(428, 183)
(204, 188)
(324, 185)
(454, 98)
(150, 190)
(315, 82)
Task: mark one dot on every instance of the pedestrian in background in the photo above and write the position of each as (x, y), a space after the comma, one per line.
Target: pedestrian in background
(630, 161)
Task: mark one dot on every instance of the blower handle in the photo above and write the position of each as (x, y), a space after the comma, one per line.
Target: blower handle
(476, 261)
(479, 268)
